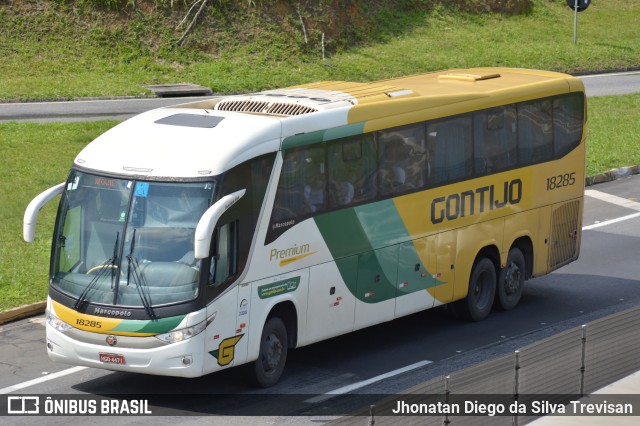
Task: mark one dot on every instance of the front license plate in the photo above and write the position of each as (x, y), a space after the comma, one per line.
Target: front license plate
(111, 358)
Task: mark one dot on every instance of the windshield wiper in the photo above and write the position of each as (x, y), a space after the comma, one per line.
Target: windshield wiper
(110, 263)
(138, 279)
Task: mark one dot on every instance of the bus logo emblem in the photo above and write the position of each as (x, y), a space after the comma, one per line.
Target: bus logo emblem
(226, 351)
(111, 340)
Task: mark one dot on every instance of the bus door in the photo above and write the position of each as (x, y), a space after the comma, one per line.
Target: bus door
(376, 288)
(416, 267)
(221, 337)
(242, 321)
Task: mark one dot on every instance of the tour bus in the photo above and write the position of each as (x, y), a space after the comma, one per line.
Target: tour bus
(194, 238)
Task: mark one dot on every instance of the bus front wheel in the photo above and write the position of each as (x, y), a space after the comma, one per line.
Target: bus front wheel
(274, 343)
(482, 289)
(511, 281)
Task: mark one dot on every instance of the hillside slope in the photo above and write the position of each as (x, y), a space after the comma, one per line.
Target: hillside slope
(79, 48)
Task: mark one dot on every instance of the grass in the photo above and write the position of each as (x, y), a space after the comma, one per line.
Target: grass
(41, 155)
(35, 157)
(614, 133)
(70, 53)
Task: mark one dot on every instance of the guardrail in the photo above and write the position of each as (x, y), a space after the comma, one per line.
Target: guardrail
(576, 362)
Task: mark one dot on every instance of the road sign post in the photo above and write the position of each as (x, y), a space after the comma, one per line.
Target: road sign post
(577, 6)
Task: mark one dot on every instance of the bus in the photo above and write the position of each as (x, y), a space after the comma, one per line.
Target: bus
(194, 238)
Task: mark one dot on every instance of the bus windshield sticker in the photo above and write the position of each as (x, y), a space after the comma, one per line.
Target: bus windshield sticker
(142, 189)
(72, 186)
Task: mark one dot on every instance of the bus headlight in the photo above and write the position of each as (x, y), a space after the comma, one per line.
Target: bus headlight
(57, 323)
(183, 334)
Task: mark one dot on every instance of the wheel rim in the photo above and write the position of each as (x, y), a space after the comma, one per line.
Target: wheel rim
(512, 280)
(271, 353)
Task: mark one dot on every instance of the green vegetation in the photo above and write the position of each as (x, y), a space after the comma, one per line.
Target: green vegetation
(74, 50)
(614, 133)
(34, 158)
(79, 48)
(41, 154)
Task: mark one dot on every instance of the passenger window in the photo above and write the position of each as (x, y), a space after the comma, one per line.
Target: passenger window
(403, 160)
(224, 262)
(535, 131)
(352, 171)
(568, 112)
(450, 149)
(495, 140)
(302, 185)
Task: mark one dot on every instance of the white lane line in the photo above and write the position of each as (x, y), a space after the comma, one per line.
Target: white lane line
(42, 379)
(358, 385)
(613, 199)
(609, 222)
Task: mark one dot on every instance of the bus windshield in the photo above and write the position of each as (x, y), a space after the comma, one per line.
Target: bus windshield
(126, 242)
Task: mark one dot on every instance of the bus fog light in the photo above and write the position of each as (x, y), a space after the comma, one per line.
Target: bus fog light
(187, 360)
(57, 323)
(183, 334)
(50, 346)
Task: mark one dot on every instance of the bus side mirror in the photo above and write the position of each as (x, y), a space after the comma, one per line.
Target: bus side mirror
(204, 230)
(31, 213)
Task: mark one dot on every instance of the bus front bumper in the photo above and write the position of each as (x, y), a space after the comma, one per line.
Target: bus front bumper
(181, 359)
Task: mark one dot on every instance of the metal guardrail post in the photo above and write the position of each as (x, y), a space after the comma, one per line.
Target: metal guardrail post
(372, 415)
(516, 386)
(446, 420)
(583, 366)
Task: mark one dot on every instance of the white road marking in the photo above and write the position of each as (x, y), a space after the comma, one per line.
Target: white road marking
(358, 385)
(609, 222)
(613, 199)
(46, 378)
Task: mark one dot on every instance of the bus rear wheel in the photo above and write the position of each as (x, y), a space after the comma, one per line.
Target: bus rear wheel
(274, 344)
(511, 281)
(482, 289)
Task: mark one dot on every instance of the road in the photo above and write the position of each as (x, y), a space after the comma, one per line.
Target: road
(603, 281)
(121, 109)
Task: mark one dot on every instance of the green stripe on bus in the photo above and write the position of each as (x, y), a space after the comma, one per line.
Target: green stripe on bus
(344, 131)
(343, 233)
(382, 223)
(374, 252)
(322, 135)
(162, 325)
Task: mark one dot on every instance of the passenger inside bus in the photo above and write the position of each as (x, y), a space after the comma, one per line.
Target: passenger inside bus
(403, 160)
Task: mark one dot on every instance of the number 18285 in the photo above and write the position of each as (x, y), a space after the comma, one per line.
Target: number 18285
(559, 181)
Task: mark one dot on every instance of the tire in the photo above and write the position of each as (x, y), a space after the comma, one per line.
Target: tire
(274, 343)
(482, 289)
(511, 281)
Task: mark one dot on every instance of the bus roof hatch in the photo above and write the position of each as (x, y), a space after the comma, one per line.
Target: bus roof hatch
(468, 77)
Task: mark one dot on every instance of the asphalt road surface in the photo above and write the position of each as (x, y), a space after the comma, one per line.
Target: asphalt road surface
(121, 109)
(382, 359)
